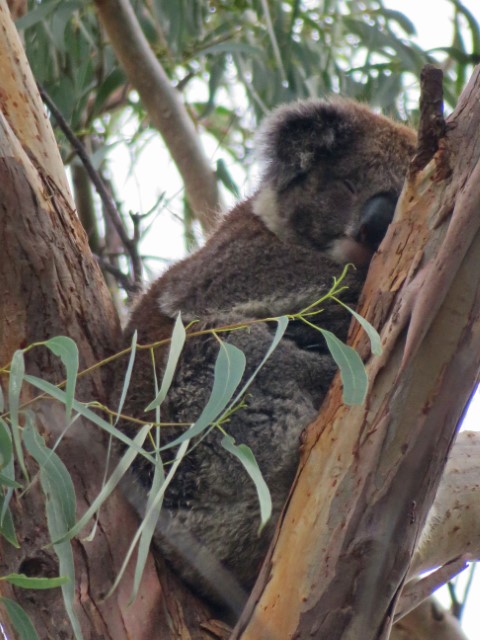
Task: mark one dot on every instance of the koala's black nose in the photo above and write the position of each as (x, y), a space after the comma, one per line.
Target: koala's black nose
(375, 216)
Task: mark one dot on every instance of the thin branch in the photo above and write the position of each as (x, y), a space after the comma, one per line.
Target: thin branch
(416, 592)
(118, 274)
(432, 124)
(131, 245)
(273, 39)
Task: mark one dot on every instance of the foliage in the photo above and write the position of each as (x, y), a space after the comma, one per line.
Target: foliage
(232, 62)
(227, 396)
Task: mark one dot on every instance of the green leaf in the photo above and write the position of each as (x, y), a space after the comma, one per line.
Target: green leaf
(154, 500)
(473, 24)
(231, 47)
(124, 464)
(54, 477)
(244, 454)
(25, 582)
(6, 448)
(20, 620)
(176, 346)
(352, 369)
(401, 19)
(7, 478)
(8, 482)
(111, 83)
(17, 373)
(88, 414)
(128, 375)
(228, 372)
(282, 324)
(36, 15)
(66, 349)
(225, 177)
(7, 527)
(372, 333)
(60, 506)
(152, 513)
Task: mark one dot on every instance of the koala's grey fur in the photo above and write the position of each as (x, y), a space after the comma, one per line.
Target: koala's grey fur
(332, 172)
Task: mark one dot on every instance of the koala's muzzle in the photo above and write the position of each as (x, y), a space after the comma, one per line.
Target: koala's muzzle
(376, 215)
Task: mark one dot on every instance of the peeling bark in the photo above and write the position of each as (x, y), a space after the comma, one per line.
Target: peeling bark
(368, 474)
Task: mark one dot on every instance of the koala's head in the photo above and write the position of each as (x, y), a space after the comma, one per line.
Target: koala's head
(332, 170)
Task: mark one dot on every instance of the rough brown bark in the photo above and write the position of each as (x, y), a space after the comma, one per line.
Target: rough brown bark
(368, 474)
(51, 285)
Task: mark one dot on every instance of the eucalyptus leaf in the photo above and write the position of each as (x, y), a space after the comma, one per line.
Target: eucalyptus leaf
(26, 582)
(228, 372)
(153, 502)
(372, 333)
(66, 349)
(115, 477)
(20, 620)
(176, 346)
(245, 456)
(60, 504)
(153, 508)
(352, 369)
(17, 373)
(6, 448)
(86, 412)
(128, 375)
(7, 526)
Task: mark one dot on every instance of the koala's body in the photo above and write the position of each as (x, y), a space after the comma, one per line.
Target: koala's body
(332, 172)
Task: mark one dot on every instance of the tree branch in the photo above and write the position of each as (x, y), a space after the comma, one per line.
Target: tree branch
(131, 245)
(432, 125)
(162, 102)
(368, 474)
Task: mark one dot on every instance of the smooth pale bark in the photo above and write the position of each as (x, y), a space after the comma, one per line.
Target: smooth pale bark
(429, 621)
(368, 474)
(453, 525)
(164, 106)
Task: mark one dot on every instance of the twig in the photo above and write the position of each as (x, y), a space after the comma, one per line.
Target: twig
(432, 124)
(131, 245)
(122, 278)
(416, 592)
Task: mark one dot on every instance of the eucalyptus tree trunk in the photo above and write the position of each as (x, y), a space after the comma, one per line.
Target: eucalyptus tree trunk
(51, 285)
(368, 474)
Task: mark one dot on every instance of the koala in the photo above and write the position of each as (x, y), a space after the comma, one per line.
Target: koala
(331, 174)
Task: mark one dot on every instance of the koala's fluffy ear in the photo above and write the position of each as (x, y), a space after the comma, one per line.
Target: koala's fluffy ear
(295, 136)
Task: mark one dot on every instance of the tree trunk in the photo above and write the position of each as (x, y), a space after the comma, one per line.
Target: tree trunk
(368, 474)
(51, 285)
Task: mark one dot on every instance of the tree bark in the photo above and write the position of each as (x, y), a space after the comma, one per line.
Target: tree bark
(368, 474)
(51, 285)
(164, 106)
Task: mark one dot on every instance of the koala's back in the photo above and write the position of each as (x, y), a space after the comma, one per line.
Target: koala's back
(329, 188)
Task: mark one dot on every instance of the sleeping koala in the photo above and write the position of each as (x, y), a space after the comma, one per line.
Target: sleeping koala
(331, 175)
